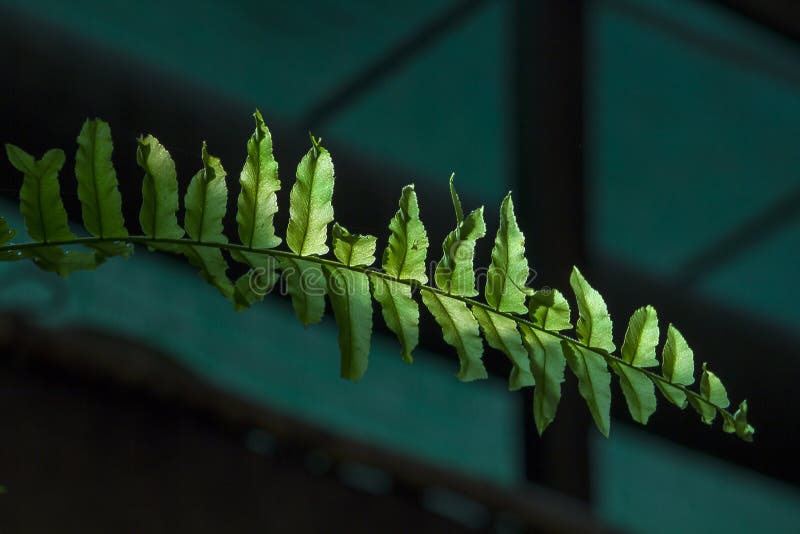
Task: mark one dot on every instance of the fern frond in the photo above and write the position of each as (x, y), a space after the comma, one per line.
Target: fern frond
(527, 326)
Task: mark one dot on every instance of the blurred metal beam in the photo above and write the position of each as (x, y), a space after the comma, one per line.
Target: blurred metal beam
(547, 51)
(391, 61)
(780, 16)
(675, 27)
(739, 240)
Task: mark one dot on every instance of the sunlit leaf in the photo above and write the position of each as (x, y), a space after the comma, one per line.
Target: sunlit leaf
(352, 249)
(677, 367)
(454, 272)
(310, 208)
(404, 256)
(712, 390)
(508, 272)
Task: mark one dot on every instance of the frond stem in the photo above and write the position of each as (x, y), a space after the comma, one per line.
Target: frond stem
(414, 284)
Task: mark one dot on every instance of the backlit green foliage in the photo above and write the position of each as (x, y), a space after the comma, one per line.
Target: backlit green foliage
(530, 327)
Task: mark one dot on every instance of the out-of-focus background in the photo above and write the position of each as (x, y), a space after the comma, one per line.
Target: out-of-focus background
(653, 143)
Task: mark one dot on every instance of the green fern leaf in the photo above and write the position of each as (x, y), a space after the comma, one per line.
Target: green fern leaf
(158, 215)
(456, 201)
(594, 330)
(65, 262)
(501, 333)
(40, 196)
(594, 323)
(352, 308)
(594, 382)
(548, 310)
(547, 364)
(639, 350)
(712, 390)
(351, 249)
(404, 259)
(6, 235)
(508, 273)
(98, 191)
(350, 299)
(460, 330)
(454, 273)
(258, 201)
(206, 202)
(257, 206)
(677, 367)
(44, 214)
(6, 232)
(641, 338)
(400, 312)
(306, 285)
(251, 287)
(310, 208)
(639, 392)
(404, 256)
(740, 425)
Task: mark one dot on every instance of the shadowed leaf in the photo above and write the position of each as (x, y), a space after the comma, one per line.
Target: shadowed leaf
(460, 330)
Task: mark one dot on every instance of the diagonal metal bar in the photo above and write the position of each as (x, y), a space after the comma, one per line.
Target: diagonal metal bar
(779, 16)
(739, 240)
(547, 46)
(736, 53)
(352, 89)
